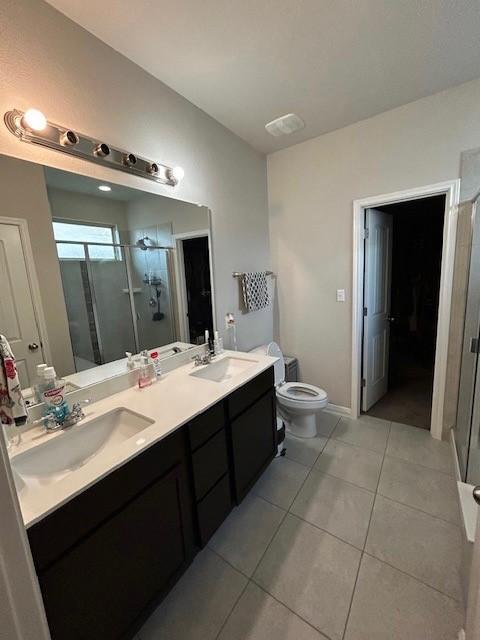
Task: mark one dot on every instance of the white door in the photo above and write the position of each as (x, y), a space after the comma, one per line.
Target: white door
(17, 314)
(376, 322)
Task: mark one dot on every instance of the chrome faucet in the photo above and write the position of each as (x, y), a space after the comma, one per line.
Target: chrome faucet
(200, 360)
(54, 422)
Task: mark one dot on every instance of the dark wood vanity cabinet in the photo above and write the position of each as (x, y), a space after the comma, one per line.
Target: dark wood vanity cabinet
(106, 558)
(252, 427)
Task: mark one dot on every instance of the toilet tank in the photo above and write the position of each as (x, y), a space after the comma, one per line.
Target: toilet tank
(272, 349)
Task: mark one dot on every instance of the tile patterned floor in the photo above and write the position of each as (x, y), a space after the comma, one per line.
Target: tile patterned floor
(352, 536)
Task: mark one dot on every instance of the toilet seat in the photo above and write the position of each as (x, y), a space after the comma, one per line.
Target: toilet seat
(301, 392)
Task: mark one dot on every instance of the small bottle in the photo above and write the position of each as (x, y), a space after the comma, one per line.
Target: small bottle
(157, 367)
(40, 378)
(130, 360)
(217, 343)
(53, 394)
(144, 375)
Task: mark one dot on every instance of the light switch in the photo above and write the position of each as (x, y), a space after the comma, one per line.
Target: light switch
(340, 295)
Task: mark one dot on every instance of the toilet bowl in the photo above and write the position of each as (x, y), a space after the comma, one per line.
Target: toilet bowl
(297, 403)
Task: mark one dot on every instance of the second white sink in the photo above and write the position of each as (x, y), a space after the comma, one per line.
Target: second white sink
(72, 448)
(224, 369)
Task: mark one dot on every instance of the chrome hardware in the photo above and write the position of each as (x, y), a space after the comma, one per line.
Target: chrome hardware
(476, 494)
(201, 360)
(33, 346)
(390, 319)
(53, 422)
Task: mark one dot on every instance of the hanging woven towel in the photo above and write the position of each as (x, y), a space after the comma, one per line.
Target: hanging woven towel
(12, 405)
(255, 290)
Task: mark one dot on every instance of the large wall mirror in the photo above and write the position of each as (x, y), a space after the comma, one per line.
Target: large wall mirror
(91, 270)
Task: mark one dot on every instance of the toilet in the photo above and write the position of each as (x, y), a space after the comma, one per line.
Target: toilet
(297, 403)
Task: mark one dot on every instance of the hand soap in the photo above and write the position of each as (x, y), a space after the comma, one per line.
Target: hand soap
(144, 375)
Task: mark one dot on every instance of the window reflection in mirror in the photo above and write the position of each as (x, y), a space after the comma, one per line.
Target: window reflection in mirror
(90, 274)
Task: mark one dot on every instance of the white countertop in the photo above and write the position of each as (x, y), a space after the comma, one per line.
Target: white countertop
(170, 403)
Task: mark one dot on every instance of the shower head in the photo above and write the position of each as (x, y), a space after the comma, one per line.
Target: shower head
(141, 243)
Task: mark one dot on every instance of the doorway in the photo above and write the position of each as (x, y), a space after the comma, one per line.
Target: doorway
(378, 337)
(25, 331)
(196, 285)
(403, 257)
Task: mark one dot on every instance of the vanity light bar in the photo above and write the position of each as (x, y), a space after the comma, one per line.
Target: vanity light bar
(32, 126)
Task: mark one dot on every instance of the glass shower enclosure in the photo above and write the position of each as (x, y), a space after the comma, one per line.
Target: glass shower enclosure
(118, 298)
(467, 427)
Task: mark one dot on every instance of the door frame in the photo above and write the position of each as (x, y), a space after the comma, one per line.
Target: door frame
(451, 190)
(33, 282)
(181, 283)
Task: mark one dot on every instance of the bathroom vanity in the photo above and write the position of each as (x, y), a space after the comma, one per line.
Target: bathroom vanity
(111, 536)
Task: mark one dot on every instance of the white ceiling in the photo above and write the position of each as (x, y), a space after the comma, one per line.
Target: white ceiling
(332, 62)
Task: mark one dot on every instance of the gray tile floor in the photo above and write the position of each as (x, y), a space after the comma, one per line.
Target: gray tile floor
(352, 536)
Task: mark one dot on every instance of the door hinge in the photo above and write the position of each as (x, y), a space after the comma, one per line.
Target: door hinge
(364, 382)
(474, 345)
(365, 311)
(366, 233)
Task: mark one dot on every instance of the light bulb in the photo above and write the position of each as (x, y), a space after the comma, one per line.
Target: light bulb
(34, 119)
(104, 187)
(178, 173)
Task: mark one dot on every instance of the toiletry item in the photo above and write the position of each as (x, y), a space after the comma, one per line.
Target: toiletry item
(207, 336)
(144, 375)
(232, 329)
(53, 394)
(157, 367)
(217, 343)
(130, 360)
(40, 377)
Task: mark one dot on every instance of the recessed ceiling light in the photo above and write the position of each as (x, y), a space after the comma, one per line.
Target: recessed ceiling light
(104, 187)
(285, 125)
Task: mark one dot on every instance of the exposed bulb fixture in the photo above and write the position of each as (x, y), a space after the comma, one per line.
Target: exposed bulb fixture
(101, 150)
(32, 127)
(69, 138)
(176, 174)
(152, 168)
(129, 159)
(34, 120)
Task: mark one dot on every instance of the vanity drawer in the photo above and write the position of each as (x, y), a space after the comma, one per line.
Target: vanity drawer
(242, 398)
(204, 426)
(71, 522)
(209, 464)
(213, 509)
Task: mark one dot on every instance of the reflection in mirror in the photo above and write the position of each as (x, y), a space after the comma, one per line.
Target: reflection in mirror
(90, 271)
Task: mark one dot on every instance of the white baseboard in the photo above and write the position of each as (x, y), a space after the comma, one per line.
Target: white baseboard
(336, 408)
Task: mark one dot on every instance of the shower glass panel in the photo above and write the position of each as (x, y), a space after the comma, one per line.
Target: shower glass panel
(152, 294)
(111, 300)
(77, 295)
(467, 425)
(97, 298)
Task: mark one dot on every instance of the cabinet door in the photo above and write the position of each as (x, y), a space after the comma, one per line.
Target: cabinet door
(253, 443)
(99, 587)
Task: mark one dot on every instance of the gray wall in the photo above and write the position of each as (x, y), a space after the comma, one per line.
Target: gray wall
(24, 195)
(75, 79)
(311, 190)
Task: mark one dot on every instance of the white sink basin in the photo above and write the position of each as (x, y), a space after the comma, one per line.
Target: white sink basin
(224, 369)
(72, 448)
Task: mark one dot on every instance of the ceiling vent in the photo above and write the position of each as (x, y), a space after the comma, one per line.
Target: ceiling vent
(285, 125)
